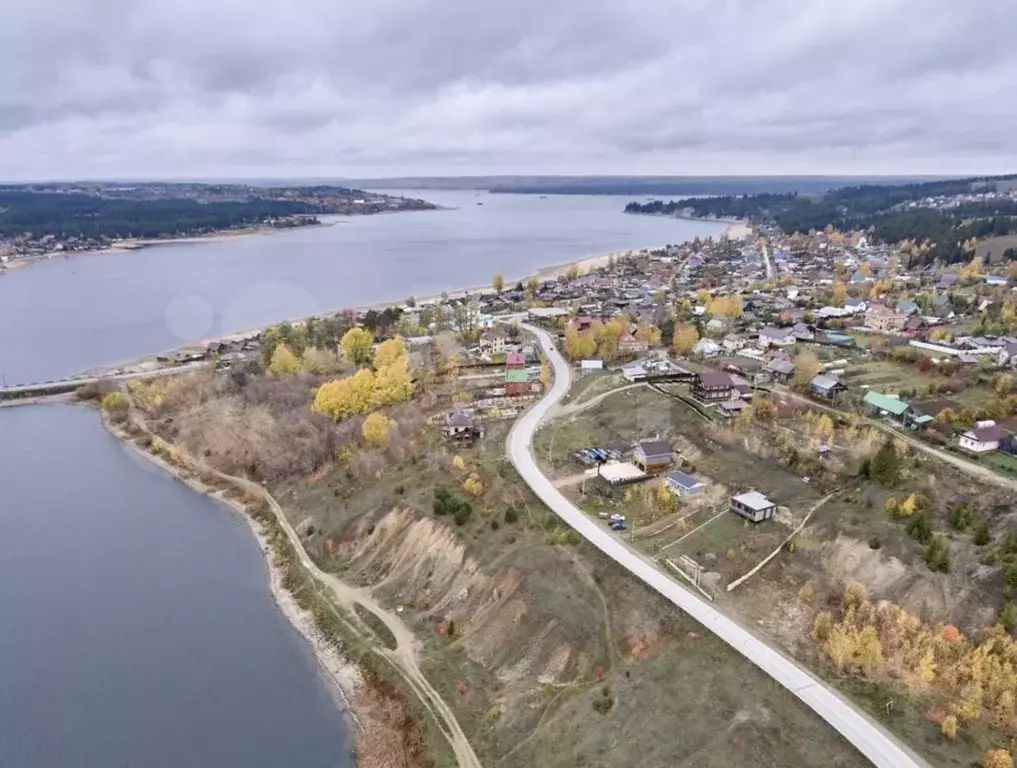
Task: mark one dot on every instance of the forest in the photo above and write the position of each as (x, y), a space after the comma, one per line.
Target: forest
(883, 210)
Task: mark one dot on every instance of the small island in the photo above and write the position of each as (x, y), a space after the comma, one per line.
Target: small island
(60, 218)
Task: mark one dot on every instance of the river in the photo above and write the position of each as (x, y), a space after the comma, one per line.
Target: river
(65, 315)
(138, 625)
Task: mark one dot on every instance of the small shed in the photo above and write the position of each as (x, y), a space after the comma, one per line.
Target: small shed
(683, 484)
(753, 506)
(826, 386)
(634, 373)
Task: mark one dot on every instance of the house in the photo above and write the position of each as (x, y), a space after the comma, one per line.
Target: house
(753, 506)
(778, 337)
(733, 342)
(591, 365)
(882, 318)
(853, 306)
(713, 386)
(634, 373)
(515, 361)
(780, 370)
(706, 348)
(684, 485)
(802, 332)
(716, 325)
(915, 326)
(827, 386)
(732, 407)
(885, 404)
(995, 280)
(517, 382)
(983, 438)
(494, 341)
(459, 426)
(651, 455)
(907, 307)
(630, 345)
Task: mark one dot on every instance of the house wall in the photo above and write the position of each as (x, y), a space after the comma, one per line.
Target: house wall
(977, 447)
(755, 516)
(695, 490)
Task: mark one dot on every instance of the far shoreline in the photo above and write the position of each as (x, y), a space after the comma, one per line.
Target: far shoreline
(735, 229)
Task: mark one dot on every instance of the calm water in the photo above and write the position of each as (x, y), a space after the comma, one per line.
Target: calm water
(138, 628)
(67, 315)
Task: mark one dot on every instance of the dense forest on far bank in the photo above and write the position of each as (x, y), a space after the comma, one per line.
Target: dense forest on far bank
(112, 211)
(944, 214)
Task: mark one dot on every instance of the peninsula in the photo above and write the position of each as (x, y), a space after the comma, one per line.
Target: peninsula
(62, 218)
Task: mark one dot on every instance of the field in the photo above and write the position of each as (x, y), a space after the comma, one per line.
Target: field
(991, 250)
(886, 376)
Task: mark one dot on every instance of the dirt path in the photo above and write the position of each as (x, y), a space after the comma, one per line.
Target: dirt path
(975, 470)
(405, 657)
(569, 480)
(572, 409)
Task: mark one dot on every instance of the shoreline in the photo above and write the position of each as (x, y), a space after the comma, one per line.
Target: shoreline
(343, 676)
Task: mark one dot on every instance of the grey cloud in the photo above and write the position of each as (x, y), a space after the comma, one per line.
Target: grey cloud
(221, 87)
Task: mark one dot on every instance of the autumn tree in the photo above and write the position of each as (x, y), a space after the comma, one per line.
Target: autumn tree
(807, 367)
(498, 282)
(838, 294)
(997, 758)
(650, 334)
(356, 344)
(824, 428)
(545, 374)
(572, 272)
(284, 362)
(388, 352)
(685, 339)
(531, 287)
(579, 346)
(729, 307)
(375, 430)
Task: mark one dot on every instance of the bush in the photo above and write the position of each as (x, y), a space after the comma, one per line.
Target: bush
(115, 404)
(937, 554)
(495, 525)
(875, 543)
(511, 515)
(982, 535)
(463, 512)
(918, 528)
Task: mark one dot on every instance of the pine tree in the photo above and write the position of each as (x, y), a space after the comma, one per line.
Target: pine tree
(885, 465)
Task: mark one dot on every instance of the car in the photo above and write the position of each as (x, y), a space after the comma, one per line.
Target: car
(618, 525)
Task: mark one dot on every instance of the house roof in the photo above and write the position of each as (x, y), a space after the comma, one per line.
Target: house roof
(458, 417)
(823, 381)
(772, 332)
(992, 434)
(754, 500)
(654, 448)
(715, 379)
(515, 358)
(893, 405)
(780, 366)
(683, 479)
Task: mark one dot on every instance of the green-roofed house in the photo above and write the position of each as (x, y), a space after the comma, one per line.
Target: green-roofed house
(887, 405)
(517, 382)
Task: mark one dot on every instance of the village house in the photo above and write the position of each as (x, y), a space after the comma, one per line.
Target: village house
(882, 318)
(651, 455)
(630, 345)
(826, 386)
(459, 426)
(684, 485)
(780, 370)
(733, 342)
(985, 437)
(753, 506)
(713, 386)
(494, 341)
(778, 337)
(885, 405)
(706, 348)
(802, 332)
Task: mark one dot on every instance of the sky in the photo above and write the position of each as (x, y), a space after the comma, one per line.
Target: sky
(333, 88)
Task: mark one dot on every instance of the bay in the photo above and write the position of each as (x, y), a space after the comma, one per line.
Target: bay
(66, 315)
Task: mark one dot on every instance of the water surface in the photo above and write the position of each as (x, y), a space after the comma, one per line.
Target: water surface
(66, 315)
(138, 628)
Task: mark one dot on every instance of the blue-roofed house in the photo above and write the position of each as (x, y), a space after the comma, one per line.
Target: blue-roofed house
(683, 484)
(826, 386)
(907, 306)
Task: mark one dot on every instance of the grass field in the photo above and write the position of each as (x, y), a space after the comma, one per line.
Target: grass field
(994, 247)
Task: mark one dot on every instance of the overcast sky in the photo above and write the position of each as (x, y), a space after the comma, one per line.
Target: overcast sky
(277, 88)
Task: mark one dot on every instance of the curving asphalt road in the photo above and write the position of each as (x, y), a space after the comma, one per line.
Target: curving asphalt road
(867, 736)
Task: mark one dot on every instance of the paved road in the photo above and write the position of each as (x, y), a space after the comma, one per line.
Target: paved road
(43, 386)
(868, 737)
(766, 261)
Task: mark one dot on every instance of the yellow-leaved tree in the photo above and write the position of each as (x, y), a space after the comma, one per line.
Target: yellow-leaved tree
(498, 282)
(579, 346)
(545, 373)
(375, 430)
(341, 398)
(388, 352)
(807, 366)
(284, 362)
(393, 383)
(685, 339)
(356, 344)
(650, 334)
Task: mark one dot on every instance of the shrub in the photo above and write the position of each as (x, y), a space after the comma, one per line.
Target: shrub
(463, 512)
(875, 543)
(511, 515)
(918, 528)
(495, 525)
(982, 535)
(949, 727)
(937, 554)
(115, 404)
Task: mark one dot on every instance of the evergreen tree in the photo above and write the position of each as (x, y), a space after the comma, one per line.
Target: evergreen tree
(885, 465)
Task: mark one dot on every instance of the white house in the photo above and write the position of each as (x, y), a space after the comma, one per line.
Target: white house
(733, 342)
(591, 365)
(778, 337)
(984, 438)
(706, 348)
(494, 341)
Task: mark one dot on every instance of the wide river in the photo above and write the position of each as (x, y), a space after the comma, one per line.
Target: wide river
(65, 315)
(138, 627)
(137, 624)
